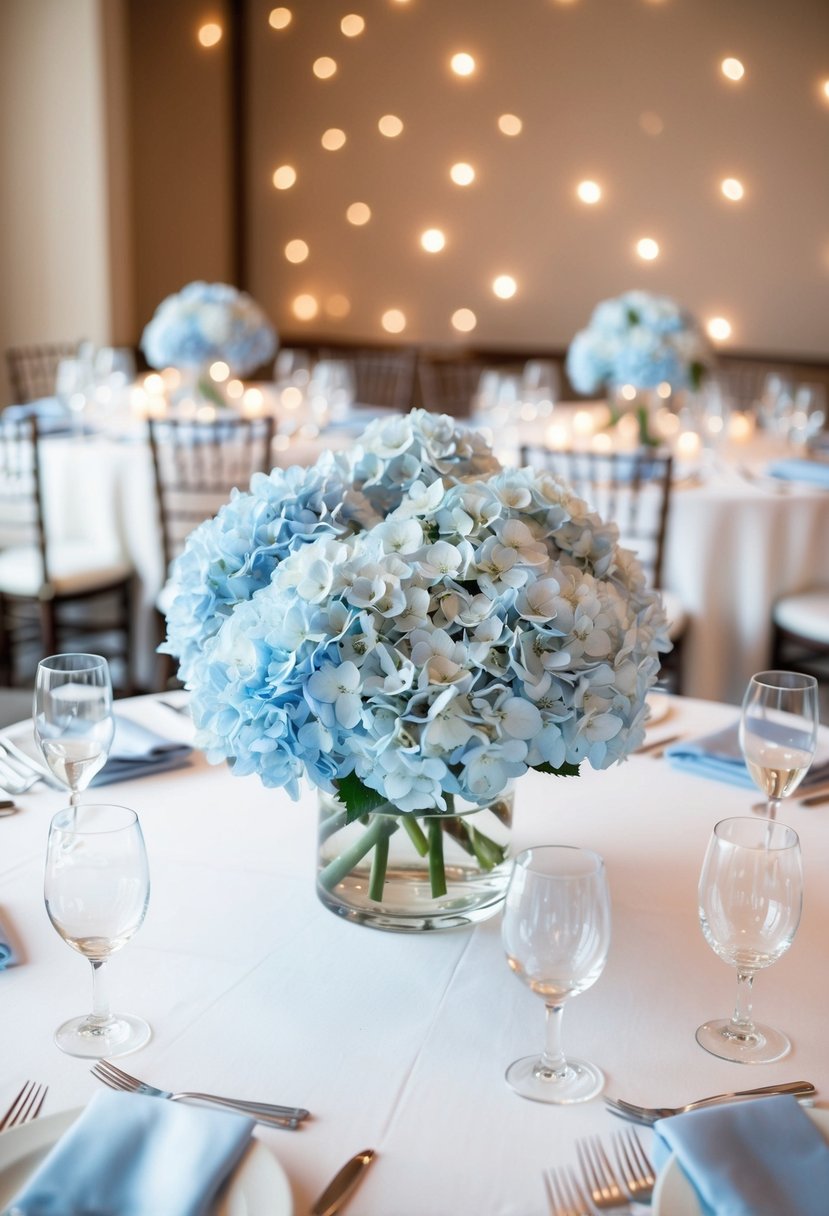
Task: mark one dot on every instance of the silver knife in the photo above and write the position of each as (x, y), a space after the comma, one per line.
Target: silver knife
(342, 1184)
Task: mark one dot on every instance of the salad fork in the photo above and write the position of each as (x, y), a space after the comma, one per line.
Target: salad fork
(599, 1176)
(13, 782)
(648, 1115)
(566, 1198)
(26, 1106)
(262, 1112)
(634, 1164)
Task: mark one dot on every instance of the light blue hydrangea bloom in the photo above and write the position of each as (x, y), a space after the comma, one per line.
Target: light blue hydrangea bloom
(205, 322)
(414, 615)
(640, 339)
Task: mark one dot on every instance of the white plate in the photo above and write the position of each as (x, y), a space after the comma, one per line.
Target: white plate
(659, 704)
(258, 1187)
(674, 1195)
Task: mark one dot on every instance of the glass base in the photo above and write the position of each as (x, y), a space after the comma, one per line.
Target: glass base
(762, 1047)
(579, 1083)
(92, 1040)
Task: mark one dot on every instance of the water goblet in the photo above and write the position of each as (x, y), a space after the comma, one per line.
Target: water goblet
(778, 732)
(73, 722)
(750, 899)
(96, 888)
(556, 934)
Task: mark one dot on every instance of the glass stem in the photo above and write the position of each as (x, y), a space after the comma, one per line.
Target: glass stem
(773, 807)
(741, 1023)
(100, 996)
(552, 1059)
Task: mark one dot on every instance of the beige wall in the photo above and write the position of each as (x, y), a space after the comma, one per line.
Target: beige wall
(54, 264)
(582, 75)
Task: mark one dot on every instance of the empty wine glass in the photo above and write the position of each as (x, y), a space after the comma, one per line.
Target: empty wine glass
(750, 898)
(73, 722)
(96, 887)
(556, 934)
(778, 731)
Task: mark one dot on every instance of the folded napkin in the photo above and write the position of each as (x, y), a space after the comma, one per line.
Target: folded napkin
(763, 1157)
(719, 756)
(135, 1156)
(51, 414)
(812, 472)
(138, 752)
(8, 955)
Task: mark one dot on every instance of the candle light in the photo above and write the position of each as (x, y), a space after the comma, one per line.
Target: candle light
(556, 436)
(741, 427)
(688, 445)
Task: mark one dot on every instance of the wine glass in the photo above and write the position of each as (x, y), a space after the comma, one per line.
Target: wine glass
(556, 934)
(750, 898)
(73, 721)
(778, 731)
(96, 888)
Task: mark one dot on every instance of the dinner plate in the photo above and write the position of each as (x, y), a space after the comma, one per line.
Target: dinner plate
(659, 704)
(674, 1195)
(258, 1186)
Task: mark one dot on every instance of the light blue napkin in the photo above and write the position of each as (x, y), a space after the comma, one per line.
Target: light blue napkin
(811, 472)
(763, 1157)
(138, 752)
(8, 956)
(719, 756)
(135, 1156)
(52, 416)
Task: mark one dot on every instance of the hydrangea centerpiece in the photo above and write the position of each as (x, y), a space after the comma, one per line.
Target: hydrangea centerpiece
(409, 623)
(207, 322)
(638, 339)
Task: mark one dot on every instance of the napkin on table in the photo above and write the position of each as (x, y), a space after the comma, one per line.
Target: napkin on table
(8, 954)
(718, 755)
(811, 472)
(137, 752)
(763, 1157)
(135, 1155)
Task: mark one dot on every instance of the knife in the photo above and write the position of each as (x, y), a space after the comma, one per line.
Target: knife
(342, 1184)
(666, 741)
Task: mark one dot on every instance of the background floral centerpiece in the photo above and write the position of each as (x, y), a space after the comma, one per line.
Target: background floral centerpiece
(205, 323)
(409, 625)
(642, 340)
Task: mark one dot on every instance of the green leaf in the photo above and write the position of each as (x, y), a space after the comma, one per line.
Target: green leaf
(566, 770)
(357, 798)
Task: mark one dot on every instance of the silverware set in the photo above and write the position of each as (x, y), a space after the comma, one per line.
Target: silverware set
(601, 1185)
(648, 1115)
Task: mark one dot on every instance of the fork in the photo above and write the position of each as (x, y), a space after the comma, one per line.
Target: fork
(648, 1115)
(26, 1106)
(599, 1176)
(634, 1165)
(566, 1198)
(13, 782)
(263, 1112)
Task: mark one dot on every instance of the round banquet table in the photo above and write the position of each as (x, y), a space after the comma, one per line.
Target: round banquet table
(400, 1042)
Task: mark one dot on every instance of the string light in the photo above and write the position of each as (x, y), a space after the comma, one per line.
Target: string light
(504, 286)
(352, 25)
(433, 240)
(390, 126)
(332, 139)
(280, 18)
(296, 251)
(589, 192)
(510, 124)
(732, 69)
(464, 320)
(210, 33)
(462, 64)
(718, 329)
(647, 248)
(305, 307)
(324, 67)
(732, 189)
(462, 174)
(393, 321)
(284, 177)
(358, 214)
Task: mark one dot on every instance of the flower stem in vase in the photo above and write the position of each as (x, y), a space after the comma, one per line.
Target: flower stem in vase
(415, 834)
(379, 863)
(437, 869)
(379, 830)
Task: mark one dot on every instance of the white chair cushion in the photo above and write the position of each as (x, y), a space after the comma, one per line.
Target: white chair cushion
(806, 615)
(675, 614)
(75, 568)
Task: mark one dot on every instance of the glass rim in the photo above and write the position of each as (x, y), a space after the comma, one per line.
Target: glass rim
(795, 680)
(50, 663)
(775, 825)
(66, 829)
(526, 853)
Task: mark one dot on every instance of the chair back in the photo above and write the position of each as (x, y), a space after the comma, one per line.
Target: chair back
(448, 386)
(382, 376)
(631, 489)
(32, 370)
(197, 464)
(22, 521)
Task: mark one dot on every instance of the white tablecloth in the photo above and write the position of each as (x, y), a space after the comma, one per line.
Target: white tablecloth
(400, 1042)
(733, 546)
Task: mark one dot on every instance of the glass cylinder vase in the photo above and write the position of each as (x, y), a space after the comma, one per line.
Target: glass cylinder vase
(413, 872)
